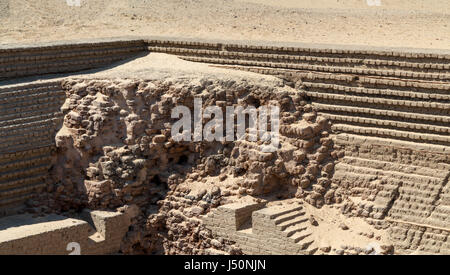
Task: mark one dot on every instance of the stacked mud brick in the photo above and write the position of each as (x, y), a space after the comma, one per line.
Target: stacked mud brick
(390, 110)
(29, 116)
(30, 112)
(96, 232)
(25, 60)
(253, 226)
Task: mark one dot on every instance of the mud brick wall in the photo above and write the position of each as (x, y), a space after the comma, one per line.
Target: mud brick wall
(261, 226)
(29, 117)
(424, 64)
(99, 233)
(403, 184)
(390, 110)
(415, 237)
(29, 60)
(391, 93)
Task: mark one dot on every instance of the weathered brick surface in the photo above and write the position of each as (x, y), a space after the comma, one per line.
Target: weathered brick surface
(390, 107)
(29, 118)
(26, 60)
(252, 226)
(99, 232)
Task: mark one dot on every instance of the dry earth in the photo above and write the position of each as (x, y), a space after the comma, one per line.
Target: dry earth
(399, 23)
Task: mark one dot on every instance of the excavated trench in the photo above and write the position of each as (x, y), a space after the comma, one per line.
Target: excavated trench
(343, 178)
(114, 148)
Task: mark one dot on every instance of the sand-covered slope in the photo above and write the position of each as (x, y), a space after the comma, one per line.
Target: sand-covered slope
(401, 23)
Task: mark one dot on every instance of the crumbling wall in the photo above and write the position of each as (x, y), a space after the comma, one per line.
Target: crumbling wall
(383, 105)
(115, 148)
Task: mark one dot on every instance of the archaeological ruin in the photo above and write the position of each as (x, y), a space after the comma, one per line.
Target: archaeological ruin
(88, 164)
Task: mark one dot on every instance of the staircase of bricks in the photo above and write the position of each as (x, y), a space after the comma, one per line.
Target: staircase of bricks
(389, 108)
(252, 226)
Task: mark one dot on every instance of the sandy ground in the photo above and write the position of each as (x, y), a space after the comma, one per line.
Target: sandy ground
(397, 23)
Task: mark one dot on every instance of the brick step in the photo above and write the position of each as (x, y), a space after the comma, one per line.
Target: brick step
(183, 44)
(439, 219)
(47, 142)
(12, 130)
(32, 67)
(409, 215)
(21, 163)
(310, 59)
(407, 177)
(28, 171)
(415, 127)
(59, 67)
(376, 83)
(288, 216)
(19, 192)
(383, 92)
(284, 226)
(402, 116)
(19, 91)
(15, 200)
(332, 52)
(416, 190)
(415, 210)
(319, 68)
(27, 50)
(29, 119)
(23, 100)
(444, 198)
(381, 143)
(26, 134)
(43, 140)
(396, 55)
(296, 228)
(22, 181)
(47, 107)
(278, 211)
(51, 108)
(25, 88)
(33, 103)
(306, 244)
(67, 55)
(20, 154)
(383, 101)
(409, 136)
(28, 90)
(300, 235)
(305, 50)
(391, 166)
(420, 189)
(422, 162)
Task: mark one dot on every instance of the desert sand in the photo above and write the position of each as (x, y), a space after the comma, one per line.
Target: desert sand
(396, 23)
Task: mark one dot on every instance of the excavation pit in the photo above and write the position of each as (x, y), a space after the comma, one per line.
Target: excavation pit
(363, 150)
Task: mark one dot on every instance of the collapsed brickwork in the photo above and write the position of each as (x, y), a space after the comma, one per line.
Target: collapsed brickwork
(112, 151)
(366, 130)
